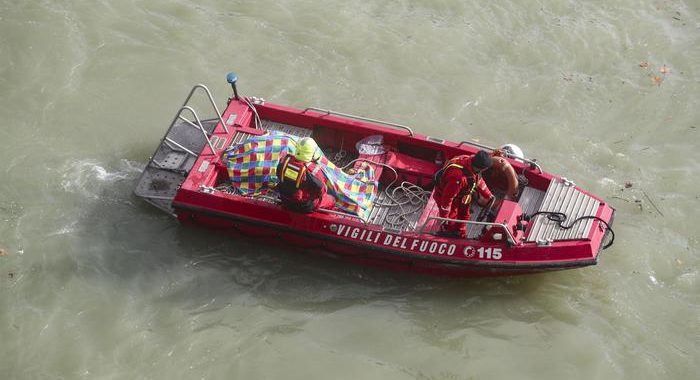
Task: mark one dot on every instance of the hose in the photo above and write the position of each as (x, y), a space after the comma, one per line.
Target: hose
(560, 218)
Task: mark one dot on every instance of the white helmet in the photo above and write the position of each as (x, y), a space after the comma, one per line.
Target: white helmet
(513, 151)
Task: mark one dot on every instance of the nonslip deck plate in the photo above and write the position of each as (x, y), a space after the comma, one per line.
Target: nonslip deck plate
(172, 160)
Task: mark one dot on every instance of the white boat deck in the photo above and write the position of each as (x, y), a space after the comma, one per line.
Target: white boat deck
(562, 196)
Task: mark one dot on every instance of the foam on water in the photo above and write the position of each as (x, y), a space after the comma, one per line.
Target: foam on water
(89, 178)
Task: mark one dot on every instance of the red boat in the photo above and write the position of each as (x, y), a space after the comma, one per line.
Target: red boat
(551, 225)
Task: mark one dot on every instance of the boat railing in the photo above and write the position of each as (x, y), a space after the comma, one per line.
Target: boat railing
(509, 235)
(211, 101)
(532, 163)
(179, 116)
(329, 112)
(198, 125)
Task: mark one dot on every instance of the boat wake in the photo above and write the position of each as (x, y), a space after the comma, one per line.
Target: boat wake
(89, 178)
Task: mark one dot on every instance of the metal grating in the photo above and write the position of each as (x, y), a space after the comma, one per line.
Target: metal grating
(172, 160)
(240, 137)
(530, 200)
(160, 184)
(170, 164)
(268, 125)
(562, 196)
(288, 129)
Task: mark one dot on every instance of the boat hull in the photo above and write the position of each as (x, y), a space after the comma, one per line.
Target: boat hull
(188, 177)
(370, 254)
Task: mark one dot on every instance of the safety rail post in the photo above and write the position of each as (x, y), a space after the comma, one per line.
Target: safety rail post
(177, 116)
(198, 125)
(211, 100)
(486, 147)
(329, 112)
(177, 144)
(469, 222)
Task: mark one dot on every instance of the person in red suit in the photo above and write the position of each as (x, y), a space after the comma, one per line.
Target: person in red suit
(456, 185)
(302, 185)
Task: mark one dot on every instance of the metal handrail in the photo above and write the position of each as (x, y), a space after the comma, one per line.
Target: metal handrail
(198, 125)
(511, 238)
(327, 211)
(478, 145)
(211, 100)
(329, 112)
(177, 144)
(177, 116)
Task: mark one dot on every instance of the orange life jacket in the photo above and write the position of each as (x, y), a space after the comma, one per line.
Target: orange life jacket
(472, 178)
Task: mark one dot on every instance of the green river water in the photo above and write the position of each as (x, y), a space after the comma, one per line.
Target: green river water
(96, 284)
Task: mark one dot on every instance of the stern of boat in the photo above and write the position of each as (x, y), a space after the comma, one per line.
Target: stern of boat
(564, 214)
(178, 151)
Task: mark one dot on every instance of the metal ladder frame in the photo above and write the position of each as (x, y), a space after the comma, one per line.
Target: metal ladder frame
(170, 142)
(198, 125)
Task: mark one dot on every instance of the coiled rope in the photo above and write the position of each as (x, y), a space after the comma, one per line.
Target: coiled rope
(405, 199)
